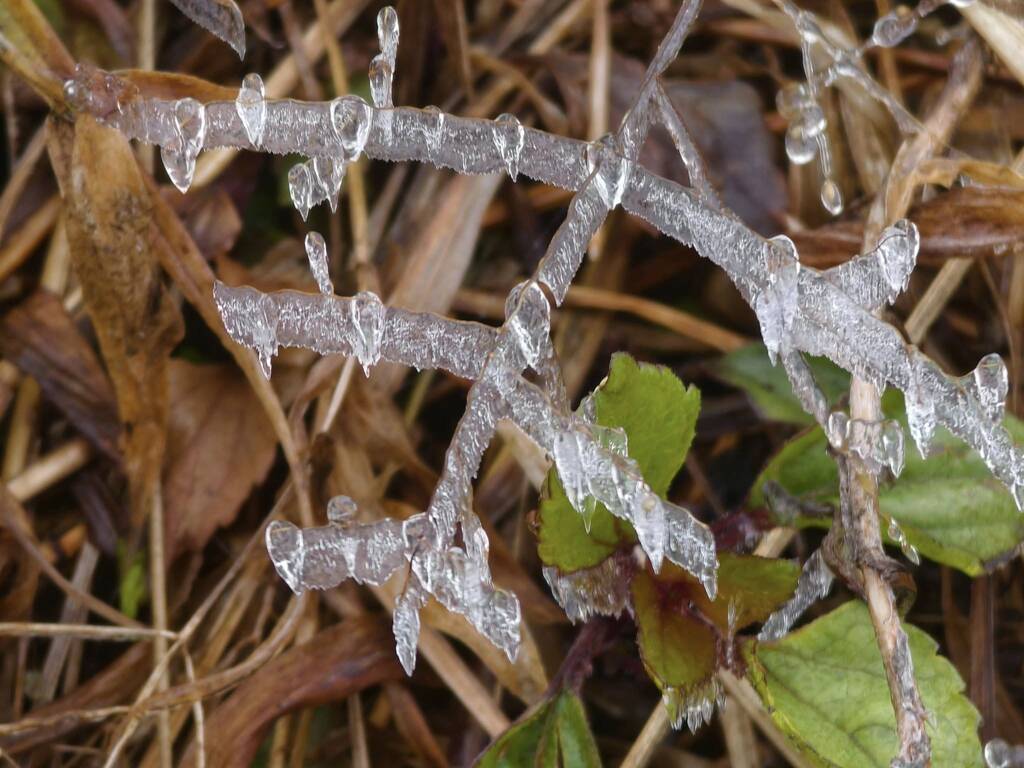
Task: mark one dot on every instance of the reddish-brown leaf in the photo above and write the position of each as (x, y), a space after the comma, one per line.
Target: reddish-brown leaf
(219, 445)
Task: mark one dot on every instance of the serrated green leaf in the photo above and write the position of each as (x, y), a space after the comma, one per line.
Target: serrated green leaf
(659, 416)
(674, 615)
(949, 505)
(749, 369)
(826, 689)
(554, 733)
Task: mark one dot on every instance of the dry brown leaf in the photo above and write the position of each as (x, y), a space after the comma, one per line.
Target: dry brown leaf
(219, 446)
(336, 663)
(136, 322)
(968, 222)
(30, 47)
(41, 339)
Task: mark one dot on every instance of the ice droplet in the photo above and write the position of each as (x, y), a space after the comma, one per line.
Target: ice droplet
(800, 148)
(792, 100)
(341, 510)
(316, 251)
(831, 197)
(387, 33)
(367, 312)
(251, 107)
(179, 155)
(351, 117)
(893, 450)
(899, 537)
(509, 136)
(613, 170)
(300, 187)
(992, 384)
(406, 622)
(328, 173)
(893, 28)
(434, 128)
(381, 76)
(921, 415)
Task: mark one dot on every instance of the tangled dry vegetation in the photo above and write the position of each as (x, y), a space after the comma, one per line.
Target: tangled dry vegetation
(148, 454)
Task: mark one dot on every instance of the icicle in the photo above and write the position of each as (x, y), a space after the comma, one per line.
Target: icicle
(991, 384)
(694, 708)
(351, 118)
(777, 303)
(250, 318)
(328, 174)
(381, 76)
(602, 590)
(800, 147)
(368, 318)
(180, 154)
(509, 135)
(406, 622)
(897, 250)
(316, 251)
(387, 33)
(814, 584)
(300, 187)
(251, 107)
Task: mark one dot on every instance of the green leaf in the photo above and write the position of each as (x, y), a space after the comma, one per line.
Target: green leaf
(949, 505)
(826, 689)
(749, 369)
(679, 627)
(133, 587)
(552, 734)
(659, 416)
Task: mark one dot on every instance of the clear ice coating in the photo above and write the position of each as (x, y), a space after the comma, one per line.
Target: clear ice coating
(316, 252)
(180, 153)
(251, 106)
(814, 584)
(826, 313)
(509, 136)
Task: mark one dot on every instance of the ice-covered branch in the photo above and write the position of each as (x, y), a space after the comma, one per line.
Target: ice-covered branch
(800, 310)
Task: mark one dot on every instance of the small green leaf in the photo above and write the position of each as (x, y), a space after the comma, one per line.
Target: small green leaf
(554, 733)
(132, 569)
(659, 416)
(949, 505)
(679, 626)
(749, 369)
(826, 689)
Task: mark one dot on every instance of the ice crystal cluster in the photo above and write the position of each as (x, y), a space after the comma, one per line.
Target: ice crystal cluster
(443, 551)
